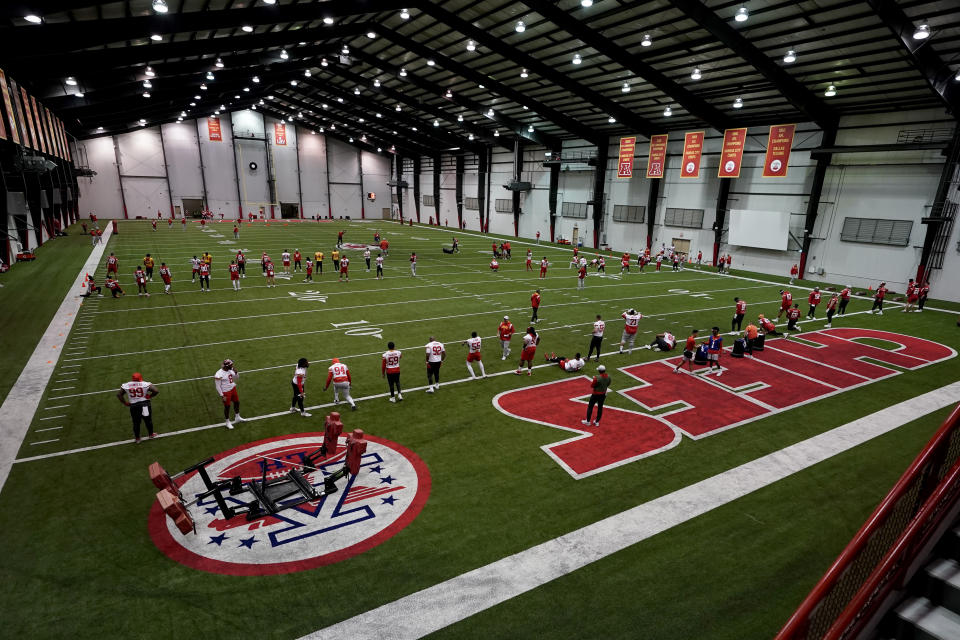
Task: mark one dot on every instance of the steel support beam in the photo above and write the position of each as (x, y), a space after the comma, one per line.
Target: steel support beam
(599, 184)
(483, 167)
(947, 177)
(416, 185)
(436, 186)
(459, 189)
(678, 94)
(792, 89)
(517, 174)
(399, 160)
(813, 202)
(552, 197)
(653, 199)
(937, 72)
(624, 116)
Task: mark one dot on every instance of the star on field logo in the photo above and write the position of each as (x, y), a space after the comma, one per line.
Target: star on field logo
(384, 497)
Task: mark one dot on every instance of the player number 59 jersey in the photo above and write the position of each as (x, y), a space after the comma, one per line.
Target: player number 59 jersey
(391, 361)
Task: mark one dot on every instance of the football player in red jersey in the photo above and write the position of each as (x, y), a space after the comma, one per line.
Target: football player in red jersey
(688, 350)
(831, 309)
(739, 311)
(793, 314)
(413, 263)
(204, 276)
(141, 279)
(166, 276)
(582, 274)
(296, 260)
(625, 263)
(913, 294)
(494, 265)
(924, 292)
(234, 275)
(786, 299)
(344, 269)
(114, 286)
(535, 305)
(236, 230)
(529, 260)
(113, 264)
(543, 267)
(268, 267)
(309, 277)
(813, 300)
(530, 342)
(242, 264)
(390, 369)
(794, 272)
(878, 299)
(845, 298)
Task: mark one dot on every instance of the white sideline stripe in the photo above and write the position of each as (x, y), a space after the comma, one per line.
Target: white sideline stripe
(451, 601)
(579, 301)
(23, 400)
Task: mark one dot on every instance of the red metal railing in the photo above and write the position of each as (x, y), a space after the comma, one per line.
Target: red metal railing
(874, 557)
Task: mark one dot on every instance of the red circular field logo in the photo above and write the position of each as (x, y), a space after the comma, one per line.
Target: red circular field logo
(384, 497)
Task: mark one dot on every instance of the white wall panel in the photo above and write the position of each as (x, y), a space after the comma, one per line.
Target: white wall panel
(376, 173)
(101, 193)
(145, 196)
(183, 161)
(284, 162)
(141, 153)
(220, 170)
(313, 167)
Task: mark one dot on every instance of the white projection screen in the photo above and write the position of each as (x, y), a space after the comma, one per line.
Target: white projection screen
(760, 229)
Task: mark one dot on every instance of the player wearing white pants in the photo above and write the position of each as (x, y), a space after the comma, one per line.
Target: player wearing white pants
(339, 374)
(631, 322)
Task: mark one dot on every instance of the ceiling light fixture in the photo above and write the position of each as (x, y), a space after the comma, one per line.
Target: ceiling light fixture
(612, 120)
(471, 45)
(738, 103)
(356, 91)
(324, 62)
(306, 73)
(523, 73)
(345, 50)
(371, 34)
(294, 83)
(668, 112)
(143, 122)
(193, 104)
(922, 32)
(496, 133)
(333, 126)
(646, 42)
(146, 94)
(33, 19)
(436, 123)
(269, 1)
(460, 118)
(340, 100)
(577, 59)
(830, 92)
(156, 37)
(742, 14)
(283, 54)
(490, 113)
(448, 94)
(379, 149)
(99, 129)
(376, 83)
(256, 79)
(695, 74)
(261, 102)
(218, 64)
(403, 72)
(397, 108)
(404, 14)
(378, 114)
(197, 97)
(147, 84)
(430, 63)
(160, 6)
(71, 81)
(586, 3)
(351, 139)
(328, 20)
(79, 94)
(530, 129)
(520, 28)
(625, 88)
(247, 28)
(957, 77)
(210, 75)
(790, 57)
(150, 72)
(236, 97)
(470, 137)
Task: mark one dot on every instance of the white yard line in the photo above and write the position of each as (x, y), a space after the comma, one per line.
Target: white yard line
(22, 402)
(47, 429)
(45, 442)
(59, 406)
(451, 601)
(53, 417)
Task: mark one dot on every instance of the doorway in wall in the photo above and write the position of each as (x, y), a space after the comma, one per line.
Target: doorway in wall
(193, 207)
(385, 213)
(177, 211)
(289, 210)
(681, 245)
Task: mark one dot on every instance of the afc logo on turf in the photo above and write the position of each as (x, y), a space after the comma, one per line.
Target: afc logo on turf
(386, 495)
(787, 374)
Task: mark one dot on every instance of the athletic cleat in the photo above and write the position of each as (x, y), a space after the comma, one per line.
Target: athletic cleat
(430, 389)
(596, 423)
(503, 357)
(305, 414)
(529, 372)
(229, 425)
(136, 441)
(719, 373)
(154, 435)
(237, 418)
(828, 325)
(585, 422)
(293, 409)
(518, 372)
(400, 397)
(393, 400)
(353, 407)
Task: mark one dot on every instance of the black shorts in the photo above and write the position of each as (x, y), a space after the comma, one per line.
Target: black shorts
(688, 355)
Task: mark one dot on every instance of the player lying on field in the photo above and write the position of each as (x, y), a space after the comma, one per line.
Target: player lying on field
(567, 364)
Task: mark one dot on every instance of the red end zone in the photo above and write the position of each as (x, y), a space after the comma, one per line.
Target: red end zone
(784, 376)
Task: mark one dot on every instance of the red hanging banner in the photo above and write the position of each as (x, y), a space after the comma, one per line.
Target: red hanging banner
(779, 143)
(692, 153)
(213, 128)
(658, 156)
(11, 117)
(731, 157)
(625, 164)
(280, 134)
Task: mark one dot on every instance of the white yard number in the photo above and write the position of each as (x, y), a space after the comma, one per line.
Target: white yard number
(360, 330)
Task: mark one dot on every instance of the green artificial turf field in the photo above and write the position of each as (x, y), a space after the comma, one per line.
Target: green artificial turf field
(79, 559)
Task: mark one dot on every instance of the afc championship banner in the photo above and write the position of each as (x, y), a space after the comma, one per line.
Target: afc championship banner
(692, 153)
(731, 157)
(778, 150)
(8, 104)
(213, 128)
(625, 163)
(658, 156)
(280, 134)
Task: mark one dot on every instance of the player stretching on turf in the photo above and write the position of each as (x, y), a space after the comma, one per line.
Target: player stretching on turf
(530, 342)
(225, 380)
(390, 369)
(473, 354)
(567, 364)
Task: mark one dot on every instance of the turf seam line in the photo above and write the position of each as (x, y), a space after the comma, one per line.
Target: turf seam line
(449, 602)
